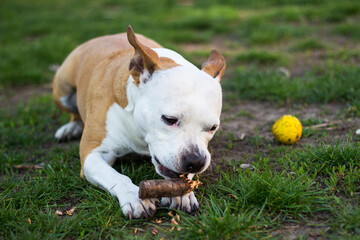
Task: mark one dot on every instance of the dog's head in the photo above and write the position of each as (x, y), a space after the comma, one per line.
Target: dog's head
(178, 107)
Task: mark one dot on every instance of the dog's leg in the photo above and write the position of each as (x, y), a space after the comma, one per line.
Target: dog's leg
(71, 130)
(98, 171)
(186, 203)
(64, 96)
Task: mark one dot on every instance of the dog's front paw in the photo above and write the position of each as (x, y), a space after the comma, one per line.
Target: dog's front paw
(186, 203)
(134, 207)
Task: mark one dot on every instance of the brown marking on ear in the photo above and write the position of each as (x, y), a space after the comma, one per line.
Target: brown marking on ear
(215, 65)
(145, 59)
(136, 67)
(149, 57)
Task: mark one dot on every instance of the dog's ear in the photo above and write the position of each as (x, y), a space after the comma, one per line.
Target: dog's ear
(145, 60)
(215, 65)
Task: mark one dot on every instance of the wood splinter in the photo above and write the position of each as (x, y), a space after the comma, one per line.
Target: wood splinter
(167, 188)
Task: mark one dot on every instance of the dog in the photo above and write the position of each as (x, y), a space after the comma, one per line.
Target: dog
(126, 93)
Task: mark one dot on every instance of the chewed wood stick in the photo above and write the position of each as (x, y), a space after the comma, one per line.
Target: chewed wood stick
(166, 188)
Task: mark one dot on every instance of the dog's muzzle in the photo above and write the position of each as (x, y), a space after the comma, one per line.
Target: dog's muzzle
(164, 171)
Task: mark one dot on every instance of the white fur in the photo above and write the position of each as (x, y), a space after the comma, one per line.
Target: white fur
(185, 92)
(70, 130)
(69, 102)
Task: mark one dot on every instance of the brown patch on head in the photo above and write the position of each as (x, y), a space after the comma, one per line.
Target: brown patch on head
(167, 63)
(215, 65)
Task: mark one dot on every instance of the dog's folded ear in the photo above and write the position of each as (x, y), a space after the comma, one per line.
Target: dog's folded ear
(145, 60)
(215, 65)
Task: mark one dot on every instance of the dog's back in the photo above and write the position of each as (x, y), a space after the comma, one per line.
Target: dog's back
(78, 67)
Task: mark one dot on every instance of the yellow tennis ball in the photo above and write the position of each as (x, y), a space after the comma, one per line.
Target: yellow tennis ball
(287, 129)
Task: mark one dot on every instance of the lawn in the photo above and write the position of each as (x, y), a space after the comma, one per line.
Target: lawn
(296, 57)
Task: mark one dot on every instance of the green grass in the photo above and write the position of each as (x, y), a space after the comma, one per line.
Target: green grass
(351, 30)
(308, 45)
(240, 203)
(312, 182)
(335, 84)
(260, 57)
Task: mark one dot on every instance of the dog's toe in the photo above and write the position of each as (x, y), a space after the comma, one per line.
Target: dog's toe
(186, 203)
(138, 208)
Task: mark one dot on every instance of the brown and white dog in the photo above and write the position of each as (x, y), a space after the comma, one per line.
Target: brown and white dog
(126, 93)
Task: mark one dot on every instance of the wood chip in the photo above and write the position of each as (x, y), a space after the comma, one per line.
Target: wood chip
(71, 211)
(173, 221)
(59, 213)
(158, 221)
(155, 231)
(242, 136)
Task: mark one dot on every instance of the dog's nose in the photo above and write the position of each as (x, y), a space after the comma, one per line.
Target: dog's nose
(193, 163)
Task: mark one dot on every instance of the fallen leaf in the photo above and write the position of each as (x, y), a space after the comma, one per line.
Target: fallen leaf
(135, 231)
(155, 231)
(170, 214)
(177, 216)
(29, 220)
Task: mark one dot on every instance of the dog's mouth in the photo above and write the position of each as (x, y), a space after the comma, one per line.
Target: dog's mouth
(165, 172)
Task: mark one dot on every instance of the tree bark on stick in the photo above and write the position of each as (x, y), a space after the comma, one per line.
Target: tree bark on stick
(166, 188)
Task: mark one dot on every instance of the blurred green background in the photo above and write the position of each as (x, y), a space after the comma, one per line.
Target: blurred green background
(296, 50)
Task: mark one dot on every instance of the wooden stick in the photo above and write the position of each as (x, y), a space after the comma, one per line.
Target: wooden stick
(323, 124)
(166, 188)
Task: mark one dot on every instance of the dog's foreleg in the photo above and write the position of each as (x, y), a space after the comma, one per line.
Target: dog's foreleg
(98, 171)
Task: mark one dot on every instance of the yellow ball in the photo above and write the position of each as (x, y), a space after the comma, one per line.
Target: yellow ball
(287, 129)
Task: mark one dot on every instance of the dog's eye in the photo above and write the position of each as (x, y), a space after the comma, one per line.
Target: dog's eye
(169, 120)
(213, 128)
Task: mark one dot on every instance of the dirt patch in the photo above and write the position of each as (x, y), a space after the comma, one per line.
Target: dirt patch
(10, 97)
(246, 127)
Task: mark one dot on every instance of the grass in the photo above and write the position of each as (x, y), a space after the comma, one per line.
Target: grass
(241, 203)
(312, 183)
(335, 84)
(308, 45)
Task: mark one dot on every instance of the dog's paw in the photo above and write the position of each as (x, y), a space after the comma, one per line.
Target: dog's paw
(71, 130)
(134, 207)
(186, 203)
